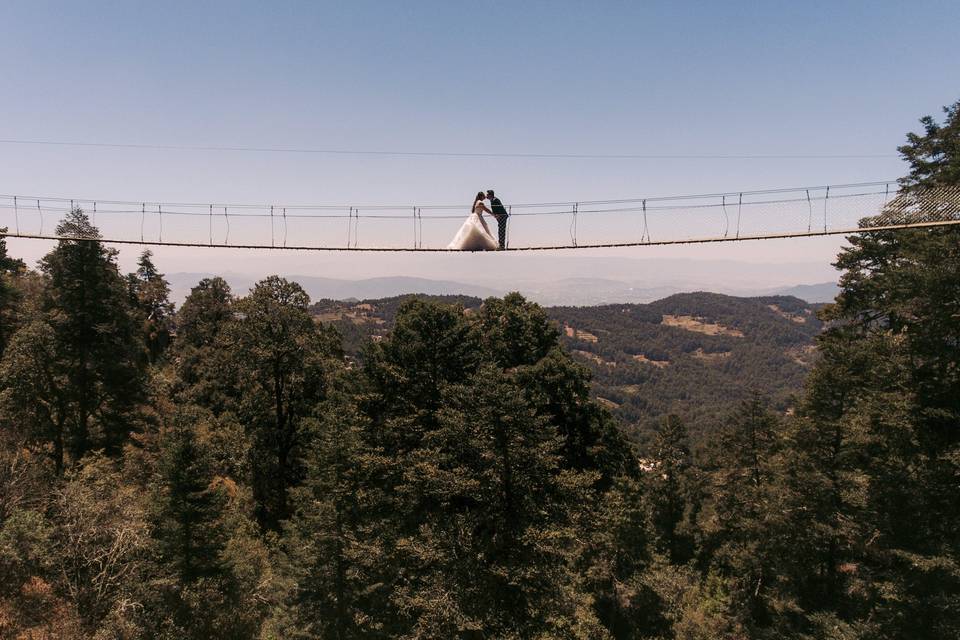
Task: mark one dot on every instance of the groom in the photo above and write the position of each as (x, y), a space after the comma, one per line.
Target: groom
(500, 213)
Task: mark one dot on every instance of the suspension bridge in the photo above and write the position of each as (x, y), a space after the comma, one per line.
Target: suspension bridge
(841, 209)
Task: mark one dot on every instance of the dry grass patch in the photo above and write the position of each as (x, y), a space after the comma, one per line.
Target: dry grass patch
(579, 334)
(793, 317)
(594, 357)
(804, 356)
(691, 323)
(657, 363)
(351, 315)
(711, 358)
(609, 404)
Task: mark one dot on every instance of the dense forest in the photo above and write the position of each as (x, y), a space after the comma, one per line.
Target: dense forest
(690, 355)
(693, 356)
(239, 468)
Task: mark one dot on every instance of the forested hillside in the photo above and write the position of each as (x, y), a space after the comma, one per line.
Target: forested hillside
(692, 355)
(229, 469)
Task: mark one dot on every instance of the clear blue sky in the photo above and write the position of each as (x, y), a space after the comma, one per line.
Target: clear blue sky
(532, 77)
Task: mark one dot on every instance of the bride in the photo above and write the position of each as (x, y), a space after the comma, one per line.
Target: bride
(474, 235)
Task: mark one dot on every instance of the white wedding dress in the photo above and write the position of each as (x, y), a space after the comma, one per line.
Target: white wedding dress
(474, 234)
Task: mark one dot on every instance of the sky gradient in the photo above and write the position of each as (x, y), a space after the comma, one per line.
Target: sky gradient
(773, 78)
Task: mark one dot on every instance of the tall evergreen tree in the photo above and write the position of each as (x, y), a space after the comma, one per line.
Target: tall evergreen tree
(431, 346)
(192, 588)
(9, 297)
(934, 155)
(204, 313)
(279, 360)
(517, 336)
(742, 520)
(199, 360)
(89, 359)
(471, 419)
(669, 484)
(332, 540)
(150, 296)
(35, 396)
(883, 407)
(494, 552)
(188, 529)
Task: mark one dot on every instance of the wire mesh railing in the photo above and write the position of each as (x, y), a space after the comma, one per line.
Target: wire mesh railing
(779, 213)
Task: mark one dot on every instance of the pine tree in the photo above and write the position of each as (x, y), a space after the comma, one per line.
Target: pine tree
(35, 397)
(188, 532)
(934, 156)
(517, 336)
(192, 588)
(620, 563)
(494, 550)
(204, 313)
(431, 346)
(668, 486)
(742, 521)
(878, 435)
(150, 295)
(279, 359)
(515, 332)
(480, 504)
(200, 362)
(88, 360)
(9, 296)
(332, 539)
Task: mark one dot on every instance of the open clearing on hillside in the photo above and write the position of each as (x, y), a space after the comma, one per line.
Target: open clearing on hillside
(793, 317)
(691, 323)
(579, 334)
(594, 357)
(710, 358)
(657, 363)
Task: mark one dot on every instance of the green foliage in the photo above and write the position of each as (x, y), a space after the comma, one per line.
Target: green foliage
(9, 295)
(877, 446)
(35, 396)
(97, 348)
(279, 359)
(25, 548)
(71, 379)
(191, 583)
(515, 332)
(616, 561)
(742, 519)
(189, 510)
(149, 294)
(493, 518)
(331, 543)
(670, 491)
(647, 370)
(430, 346)
(199, 361)
(204, 313)
(454, 478)
(934, 156)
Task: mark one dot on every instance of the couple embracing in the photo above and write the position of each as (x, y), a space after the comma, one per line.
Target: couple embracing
(475, 235)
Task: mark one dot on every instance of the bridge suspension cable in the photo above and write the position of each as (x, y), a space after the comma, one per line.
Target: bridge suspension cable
(538, 226)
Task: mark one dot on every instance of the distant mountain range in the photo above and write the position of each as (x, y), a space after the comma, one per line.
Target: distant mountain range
(822, 292)
(564, 291)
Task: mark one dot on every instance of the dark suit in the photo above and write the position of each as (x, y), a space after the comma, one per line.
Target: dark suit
(501, 214)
